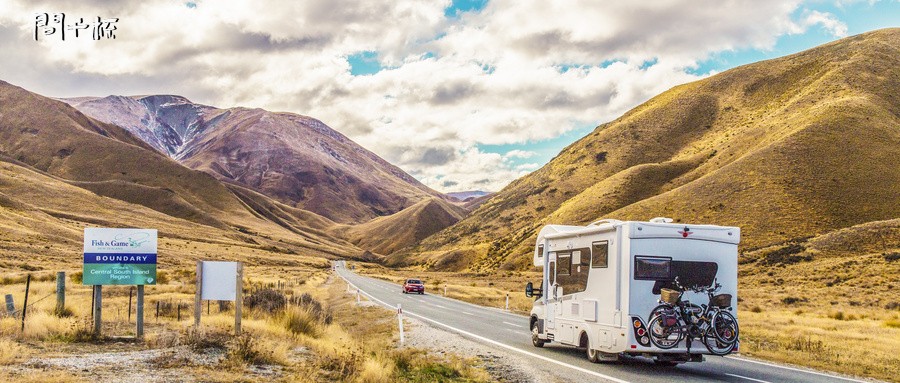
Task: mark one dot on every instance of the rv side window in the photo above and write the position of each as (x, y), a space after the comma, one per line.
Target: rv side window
(652, 268)
(600, 254)
(540, 251)
(564, 264)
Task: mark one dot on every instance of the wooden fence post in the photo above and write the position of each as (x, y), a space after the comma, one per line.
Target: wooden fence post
(130, 295)
(60, 293)
(10, 305)
(25, 305)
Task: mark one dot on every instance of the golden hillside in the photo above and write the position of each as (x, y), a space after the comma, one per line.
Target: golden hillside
(786, 148)
(384, 235)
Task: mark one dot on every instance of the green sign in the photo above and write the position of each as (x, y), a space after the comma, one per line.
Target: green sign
(119, 256)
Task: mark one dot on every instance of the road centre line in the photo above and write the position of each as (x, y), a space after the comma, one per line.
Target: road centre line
(496, 343)
(513, 324)
(750, 379)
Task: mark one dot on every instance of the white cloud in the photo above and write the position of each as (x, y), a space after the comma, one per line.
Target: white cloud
(515, 72)
(519, 154)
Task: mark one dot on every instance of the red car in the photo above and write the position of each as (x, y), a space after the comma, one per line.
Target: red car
(413, 286)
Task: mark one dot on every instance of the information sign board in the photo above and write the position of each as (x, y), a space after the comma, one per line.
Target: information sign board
(119, 256)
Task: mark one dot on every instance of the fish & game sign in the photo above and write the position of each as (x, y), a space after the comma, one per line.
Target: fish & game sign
(119, 256)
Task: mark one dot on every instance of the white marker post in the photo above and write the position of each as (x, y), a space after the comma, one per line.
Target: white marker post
(445, 290)
(400, 319)
(357, 295)
(507, 302)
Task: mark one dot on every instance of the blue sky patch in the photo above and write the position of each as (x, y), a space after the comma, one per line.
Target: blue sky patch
(460, 6)
(364, 63)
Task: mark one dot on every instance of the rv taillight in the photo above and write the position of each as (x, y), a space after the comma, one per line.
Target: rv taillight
(645, 340)
(641, 332)
(637, 324)
(634, 346)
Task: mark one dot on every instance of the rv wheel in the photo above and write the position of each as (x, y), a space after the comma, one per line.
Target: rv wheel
(535, 340)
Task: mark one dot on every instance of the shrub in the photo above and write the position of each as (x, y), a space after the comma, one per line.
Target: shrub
(792, 300)
(201, 341)
(837, 315)
(756, 309)
(893, 323)
(300, 321)
(76, 277)
(787, 255)
(890, 257)
(600, 157)
(265, 300)
(244, 349)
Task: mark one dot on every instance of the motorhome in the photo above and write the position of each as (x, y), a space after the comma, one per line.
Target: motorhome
(604, 279)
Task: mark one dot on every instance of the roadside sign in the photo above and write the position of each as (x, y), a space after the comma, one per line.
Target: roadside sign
(218, 281)
(119, 256)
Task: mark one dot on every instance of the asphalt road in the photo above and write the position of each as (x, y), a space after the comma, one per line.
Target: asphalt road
(510, 332)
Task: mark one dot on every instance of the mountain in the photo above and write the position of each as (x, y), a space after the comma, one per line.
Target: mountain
(786, 149)
(295, 159)
(385, 235)
(465, 196)
(63, 171)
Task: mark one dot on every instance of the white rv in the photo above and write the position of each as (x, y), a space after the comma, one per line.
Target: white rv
(601, 281)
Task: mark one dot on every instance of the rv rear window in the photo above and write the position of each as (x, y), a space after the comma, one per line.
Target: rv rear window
(652, 268)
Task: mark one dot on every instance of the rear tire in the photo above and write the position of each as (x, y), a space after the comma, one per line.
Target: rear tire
(535, 340)
(592, 355)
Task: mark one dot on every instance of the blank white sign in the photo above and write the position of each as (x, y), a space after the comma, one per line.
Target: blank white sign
(219, 281)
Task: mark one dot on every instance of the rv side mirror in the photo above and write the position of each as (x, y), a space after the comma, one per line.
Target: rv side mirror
(529, 290)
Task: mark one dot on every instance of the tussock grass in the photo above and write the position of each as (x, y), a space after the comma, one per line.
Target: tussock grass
(11, 351)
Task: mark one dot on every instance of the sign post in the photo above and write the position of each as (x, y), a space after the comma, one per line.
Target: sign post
(119, 257)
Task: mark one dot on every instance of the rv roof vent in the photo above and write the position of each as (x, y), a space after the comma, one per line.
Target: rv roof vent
(661, 220)
(602, 221)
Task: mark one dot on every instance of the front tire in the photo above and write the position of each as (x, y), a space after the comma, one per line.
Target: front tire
(535, 340)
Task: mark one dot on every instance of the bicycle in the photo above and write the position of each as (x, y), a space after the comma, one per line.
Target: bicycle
(676, 319)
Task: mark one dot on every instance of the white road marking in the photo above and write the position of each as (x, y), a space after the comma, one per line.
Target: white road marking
(440, 306)
(796, 369)
(514, 331)
(467, 313)
(496, 343)
(750, 379)
(513, 324)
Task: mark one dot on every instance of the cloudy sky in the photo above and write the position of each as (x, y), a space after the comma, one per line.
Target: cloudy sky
(462, 94)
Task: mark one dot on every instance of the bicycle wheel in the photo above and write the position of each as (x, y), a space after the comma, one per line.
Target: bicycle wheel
(717, 347)
(662, 336)
(658, 309)
(724, 327)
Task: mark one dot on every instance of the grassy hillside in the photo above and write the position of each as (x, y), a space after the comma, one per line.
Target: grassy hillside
(384, 235)
(786, 148)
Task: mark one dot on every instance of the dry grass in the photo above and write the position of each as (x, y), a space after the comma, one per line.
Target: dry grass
(321, 336)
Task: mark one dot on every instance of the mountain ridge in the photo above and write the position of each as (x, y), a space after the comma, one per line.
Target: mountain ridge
(295, 159)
